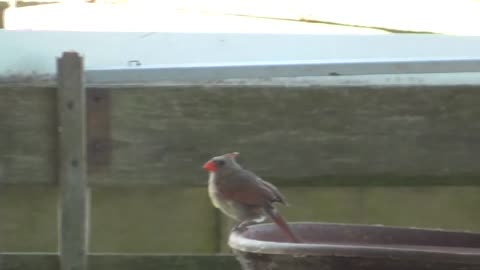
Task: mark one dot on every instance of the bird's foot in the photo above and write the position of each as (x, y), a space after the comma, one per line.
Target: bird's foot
(240, 227)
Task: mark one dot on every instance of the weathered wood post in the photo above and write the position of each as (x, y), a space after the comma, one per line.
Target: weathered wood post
(72, 163)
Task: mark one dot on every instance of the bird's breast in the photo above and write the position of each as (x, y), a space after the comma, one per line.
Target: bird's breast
(213, 191)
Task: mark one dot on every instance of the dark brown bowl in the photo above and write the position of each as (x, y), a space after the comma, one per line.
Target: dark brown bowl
(356, 247)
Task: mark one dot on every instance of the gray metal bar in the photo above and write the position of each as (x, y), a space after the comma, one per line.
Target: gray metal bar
(185, 73)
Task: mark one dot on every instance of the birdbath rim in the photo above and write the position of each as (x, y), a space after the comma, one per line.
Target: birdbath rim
(256, 240)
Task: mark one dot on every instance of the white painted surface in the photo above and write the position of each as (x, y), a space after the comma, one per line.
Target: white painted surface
(431, 79)
(268, 70)
(34, 52)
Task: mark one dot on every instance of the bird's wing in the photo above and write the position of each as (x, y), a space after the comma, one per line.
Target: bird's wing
(247, 188)
(278, 196)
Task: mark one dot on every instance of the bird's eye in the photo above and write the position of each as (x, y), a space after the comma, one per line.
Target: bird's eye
(220, 162)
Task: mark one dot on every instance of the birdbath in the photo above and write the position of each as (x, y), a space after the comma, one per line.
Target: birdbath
(328, 246)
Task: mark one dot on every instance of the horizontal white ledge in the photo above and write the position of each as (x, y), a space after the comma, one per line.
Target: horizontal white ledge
(266, 70)
(23, 54)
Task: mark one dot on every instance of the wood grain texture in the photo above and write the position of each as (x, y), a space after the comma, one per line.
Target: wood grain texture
(29, 261)
(99, 148)
(152, 220)
(27, 135)
(72, 165)
(431, 207)
(297, 135)
(144, 220)
(290, 135)
(28, 218)
(48, 261)
(124, 220)
(154, 262)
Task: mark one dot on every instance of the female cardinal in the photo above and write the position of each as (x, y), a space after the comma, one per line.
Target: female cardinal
(242, 195)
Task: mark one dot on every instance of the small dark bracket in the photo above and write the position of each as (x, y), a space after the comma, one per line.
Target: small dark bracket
(99, 149)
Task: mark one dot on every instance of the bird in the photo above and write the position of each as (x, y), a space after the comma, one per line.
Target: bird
(244, 196)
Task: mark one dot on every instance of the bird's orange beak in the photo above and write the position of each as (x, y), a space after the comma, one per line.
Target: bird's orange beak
(210, 166)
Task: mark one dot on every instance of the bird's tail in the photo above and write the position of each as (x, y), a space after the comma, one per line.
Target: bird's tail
(282, 224)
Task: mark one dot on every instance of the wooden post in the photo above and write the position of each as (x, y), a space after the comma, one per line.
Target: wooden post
(72, 163)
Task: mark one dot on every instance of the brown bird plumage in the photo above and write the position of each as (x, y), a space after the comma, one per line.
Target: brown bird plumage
(242, 195)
